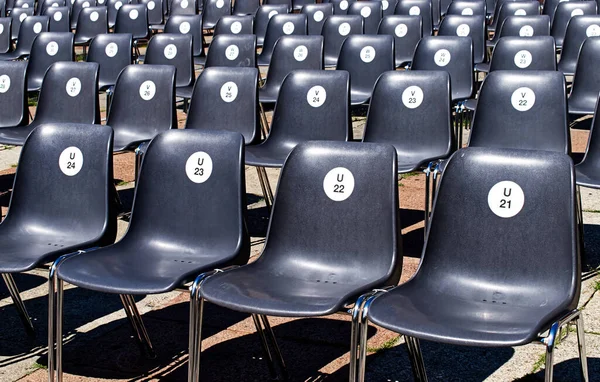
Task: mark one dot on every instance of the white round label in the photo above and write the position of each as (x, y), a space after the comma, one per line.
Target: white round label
(4, 83)
(151, 5)
(118, 5)
(73, 87)
(318, 16)
(37, 28)
(442, 57)
(272, 13)
(94, 16)
(229, 91)
(220, 4)
(316, 96)
(414, 11)
(577, 12)
(300, 53)
(111, 49)
(52, 48)
(56, 4)
(184, 27)
(412, 97)
(365, 12)
(523, 59)
(22, 17)
(385, 5)
(147, 90)
(593, 30)
(520, 12)
(463, 30)
(401, 30)
(1, 28)
(170, 51)
(523, 99)
(338, 184)
(526, 31)
(232, 52)
(467, 12)
(57, 16)
(100, 2)
(85, 5)
(133, 14)
(25, 6)
(344, 29)
(343, 5)
(70, 161)
(367, 54)
(184, 4)
(236, 27)
(506, 199)
(288, 28)
(199, 167)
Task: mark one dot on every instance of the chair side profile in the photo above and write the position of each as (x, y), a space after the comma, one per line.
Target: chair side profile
(13, 94)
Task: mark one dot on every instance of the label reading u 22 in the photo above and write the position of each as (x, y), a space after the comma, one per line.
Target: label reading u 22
(338, 184)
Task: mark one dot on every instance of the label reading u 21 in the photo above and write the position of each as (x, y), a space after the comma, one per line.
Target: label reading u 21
(506, 199)
(338, 184)
(412, 97)
(70, 161)
(316, 96)
(523, 99)
(199, 167)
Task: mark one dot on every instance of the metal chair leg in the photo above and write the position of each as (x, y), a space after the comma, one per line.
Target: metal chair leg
(550, 342)
(265, 187)
(263, 340)
(265, 122)
(582, 350)
(195, 336)
(416, 358)
(271, 337)
(18, 303)
(427, 172)
(355, 334)
(138, 325)
(55, 318)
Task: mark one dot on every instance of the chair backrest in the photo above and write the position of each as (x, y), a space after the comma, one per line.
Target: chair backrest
(245, 7)
(44, 5)
(92, 22)
(262, 18)
(18, 15)
(516, 8)
(31, 27)
(316, 15)
(578, 30)
(143, 104)
(340, 7)
(519, 53)
(13, 94)
(417, 8)
(213, 10)
(59, 19)
(187, 24)
(467, 8)
(508, 193)
(407, 34)
(48, 48)
(76, 8)
(336, 29)
(412, 111)
(388, 6)
(372, 13)
(524, 26)
(349, 187)
(155, 11)
(564, 12)
(226, 99)
(281, 25)
(232, 51)
(176, 50)
(586, 83)
(471, 26)
(5, 38)
(133, 18)
(287, 3)
(112, 52)
(183, 7)
(452, 54)
(113, 7)
(522, 110)
(549, 8)
(234, 25)
(24, 4)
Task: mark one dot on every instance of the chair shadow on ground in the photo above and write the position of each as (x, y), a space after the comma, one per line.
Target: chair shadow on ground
(591, 254)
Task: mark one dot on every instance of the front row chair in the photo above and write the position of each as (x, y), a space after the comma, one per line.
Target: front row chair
(307, 267)
(203, 228)
(474, 291)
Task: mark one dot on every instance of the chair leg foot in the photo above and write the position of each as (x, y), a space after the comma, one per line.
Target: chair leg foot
(18, 303)
(582, 350)
(271, 337)
(135, 319)
(355, 335)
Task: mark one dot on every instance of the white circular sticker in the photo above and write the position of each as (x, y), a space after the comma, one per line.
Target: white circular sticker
(236, 27)
(523, 99)
(37, 28)
(118, 5)
(57, 16)
(316, 96)
(133, 14)
(147, 90)
(463, 30)
(412, 97)
(442, 57)
(1, 28)
(344, 29)
(100, 2)
(523, 59)
(526, 31)
(52, 48)
(22, 17)
(577, 12)
(25, 6)
(520, 12)
(401, 30)
(338, 184)
(343, 5)
(70, 161)
(151, 5)
(4, 83)
(414, 11)
(367, 54)
(170, 51)
(111, 49)
(232, 52)
(365, 12)
(85, 5)
(184, 4)
(467, 12)
(220, 4)
(94, 16)
(300, 53)
(272, 13)
(184, 27)
(56, 4)
(229, 91)
(73, 87)
(199, 167)
(506, 199)
(318, 16)
(593, 30)
(288, 28)
(385, 4)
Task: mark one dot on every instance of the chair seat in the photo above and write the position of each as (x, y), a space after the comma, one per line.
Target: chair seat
(268, 94)
(581, 107)
(199, 60)
(10, 56)
(185, 91)
(470, 104)
(482, 67)
(257, 289)
(420, 312)
(567, 67)
(587, 176)
(34, 84)
(125, 141)
(15, 135)
(359, 98)
(266, 155)
(263, 60)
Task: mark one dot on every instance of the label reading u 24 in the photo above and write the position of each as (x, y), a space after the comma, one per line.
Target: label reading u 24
(70, 161)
